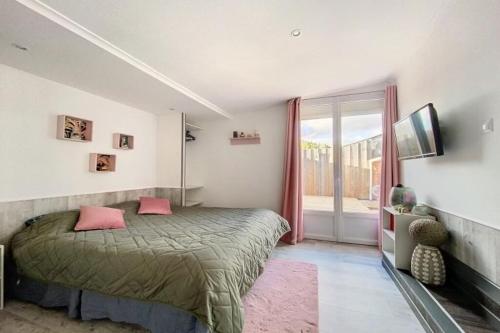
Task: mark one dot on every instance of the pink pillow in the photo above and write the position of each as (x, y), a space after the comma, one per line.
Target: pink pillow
(157, 206)
(100, 218)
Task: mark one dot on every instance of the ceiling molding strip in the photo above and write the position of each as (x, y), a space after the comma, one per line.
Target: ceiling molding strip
(65, 22)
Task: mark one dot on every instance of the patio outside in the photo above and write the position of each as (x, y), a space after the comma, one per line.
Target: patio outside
(360, 172)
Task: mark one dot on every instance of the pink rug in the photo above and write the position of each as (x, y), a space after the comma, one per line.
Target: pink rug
(283, 299)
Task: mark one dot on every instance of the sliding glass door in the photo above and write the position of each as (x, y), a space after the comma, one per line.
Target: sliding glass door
(319, 170)
(341, 149)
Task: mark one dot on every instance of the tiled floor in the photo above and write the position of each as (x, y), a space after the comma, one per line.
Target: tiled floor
(355, 295)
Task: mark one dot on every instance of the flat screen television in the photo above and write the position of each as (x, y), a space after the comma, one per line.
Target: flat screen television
(418, 135)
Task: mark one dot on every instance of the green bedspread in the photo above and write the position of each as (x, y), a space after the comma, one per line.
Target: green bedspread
(202, 260)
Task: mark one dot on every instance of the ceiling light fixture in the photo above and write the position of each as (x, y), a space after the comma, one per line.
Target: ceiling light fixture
(19, 47)
(172, 109)
(295, 33)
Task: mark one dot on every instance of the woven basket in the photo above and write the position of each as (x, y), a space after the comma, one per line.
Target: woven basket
(427, 265)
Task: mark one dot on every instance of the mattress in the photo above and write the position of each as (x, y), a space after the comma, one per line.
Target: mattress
(200, 260)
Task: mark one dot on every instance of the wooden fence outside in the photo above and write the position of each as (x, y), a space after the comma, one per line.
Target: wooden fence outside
(361, 170)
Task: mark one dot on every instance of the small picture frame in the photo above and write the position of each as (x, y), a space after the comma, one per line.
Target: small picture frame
(74, 128)
(102, 162)
(123, 141)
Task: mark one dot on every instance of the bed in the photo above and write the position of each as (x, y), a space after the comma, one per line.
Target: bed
(199, 261)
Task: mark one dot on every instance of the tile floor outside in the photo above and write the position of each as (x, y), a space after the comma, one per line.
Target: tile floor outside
(355, 295)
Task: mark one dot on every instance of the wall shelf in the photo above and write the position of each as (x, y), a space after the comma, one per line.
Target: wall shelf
(74, 128)
(123, 141)
(390, 234)
(102, 162)
(192, 127)
(193, 187)
(245, 141)
(191, 203)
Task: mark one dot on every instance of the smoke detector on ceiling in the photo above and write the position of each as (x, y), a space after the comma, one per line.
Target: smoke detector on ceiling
(295, 33)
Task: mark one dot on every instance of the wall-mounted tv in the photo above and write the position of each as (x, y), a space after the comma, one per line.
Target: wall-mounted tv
(418, 135)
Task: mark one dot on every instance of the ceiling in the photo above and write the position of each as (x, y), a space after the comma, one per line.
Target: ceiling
(231, 56)
(78, 59)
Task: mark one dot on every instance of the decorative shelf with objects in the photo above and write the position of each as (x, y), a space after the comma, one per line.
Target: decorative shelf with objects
(242, 138)
(245, 141)
(452, 299)
(397, 244)
(123, 141)
(74, 128)
(102, 162)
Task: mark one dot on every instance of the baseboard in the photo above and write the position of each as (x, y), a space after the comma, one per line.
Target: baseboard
(320, 237)
(361, 241)
(345, 240)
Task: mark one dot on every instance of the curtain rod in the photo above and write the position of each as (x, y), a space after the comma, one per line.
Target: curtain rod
(343, 95)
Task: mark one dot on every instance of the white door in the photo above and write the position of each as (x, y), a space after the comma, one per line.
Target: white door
(341, 141)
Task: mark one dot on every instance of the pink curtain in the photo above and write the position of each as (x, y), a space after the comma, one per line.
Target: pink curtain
(390, 163)
(292, 178)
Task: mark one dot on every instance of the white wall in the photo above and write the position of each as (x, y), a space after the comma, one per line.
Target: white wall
(240, 175)
(35, 164)
(459, 71)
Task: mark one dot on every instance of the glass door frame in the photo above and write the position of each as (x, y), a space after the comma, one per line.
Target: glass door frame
(338, 215)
